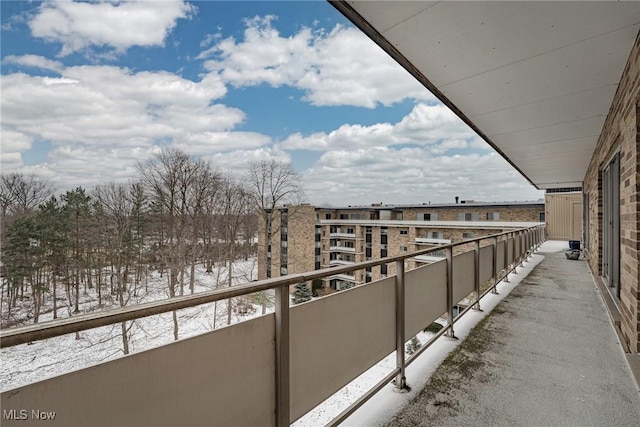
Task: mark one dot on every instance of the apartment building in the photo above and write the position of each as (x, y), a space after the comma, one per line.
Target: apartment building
(305, 237)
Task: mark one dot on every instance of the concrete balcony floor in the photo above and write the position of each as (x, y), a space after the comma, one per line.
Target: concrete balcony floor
(546, 355)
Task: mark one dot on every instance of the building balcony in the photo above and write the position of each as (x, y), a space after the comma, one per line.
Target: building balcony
(431, 241)
(345, 277)
(335, 262)
(341, 249)
(428, 258)
(541, 336)
(343, 235)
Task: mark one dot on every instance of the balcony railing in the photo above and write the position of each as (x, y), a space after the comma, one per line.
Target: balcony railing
(212, 379)
(335, 262)
(343, 235)
(342, 248)
(432, 241)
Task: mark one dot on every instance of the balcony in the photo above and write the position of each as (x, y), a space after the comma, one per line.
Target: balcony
(210, 379)
(343, 235)
(428, 258)
(431, 241)
(335, 262)
(341, 248)
(344, 277)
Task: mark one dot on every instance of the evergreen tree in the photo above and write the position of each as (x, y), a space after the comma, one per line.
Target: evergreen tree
(301, 294)
(413, 346)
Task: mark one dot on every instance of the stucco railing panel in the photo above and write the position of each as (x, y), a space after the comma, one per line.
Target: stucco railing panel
(463, 275)
(336, 338)
(224, 377)
(486, 263)
(425, 296)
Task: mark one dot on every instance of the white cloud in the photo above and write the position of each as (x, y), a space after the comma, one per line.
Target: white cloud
(412, 175)
(424, 125)
(100, 120)
(34, 61)
(237, 162)
(116, 25)
(340, 67)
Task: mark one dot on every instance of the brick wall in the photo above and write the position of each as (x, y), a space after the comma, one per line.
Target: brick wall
(620, 133)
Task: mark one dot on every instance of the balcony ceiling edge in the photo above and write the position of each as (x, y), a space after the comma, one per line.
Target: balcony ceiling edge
(535, 80)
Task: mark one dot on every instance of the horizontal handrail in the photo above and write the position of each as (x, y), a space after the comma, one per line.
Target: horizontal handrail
(24, 334)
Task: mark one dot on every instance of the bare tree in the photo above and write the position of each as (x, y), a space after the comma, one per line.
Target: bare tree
(271, 184)
(236, 203)
(118, 204)
(21, 194)
(173, 178)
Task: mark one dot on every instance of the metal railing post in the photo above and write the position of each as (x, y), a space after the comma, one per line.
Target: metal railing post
(449, 254)
(476, 275)
(400, 381)
(494, 288)
(506, 258)
(282, 356)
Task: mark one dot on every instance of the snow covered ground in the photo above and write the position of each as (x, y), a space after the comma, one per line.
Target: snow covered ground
(39, 360)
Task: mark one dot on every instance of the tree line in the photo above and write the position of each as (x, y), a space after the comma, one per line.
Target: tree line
(180, 212)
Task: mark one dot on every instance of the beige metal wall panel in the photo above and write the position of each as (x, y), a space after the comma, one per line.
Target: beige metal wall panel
(486, 263)
(223, 378)
(463, 275)
(425, 296)
(563, 213)
(500, 264)
(336, 338)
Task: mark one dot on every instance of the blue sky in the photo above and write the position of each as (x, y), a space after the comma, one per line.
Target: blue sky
(90, 89)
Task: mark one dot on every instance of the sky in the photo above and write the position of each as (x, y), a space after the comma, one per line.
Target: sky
(92, 89)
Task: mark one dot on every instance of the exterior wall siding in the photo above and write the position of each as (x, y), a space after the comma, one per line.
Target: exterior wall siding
(620, 133)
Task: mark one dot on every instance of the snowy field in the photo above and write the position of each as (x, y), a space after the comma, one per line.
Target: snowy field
(28, 363)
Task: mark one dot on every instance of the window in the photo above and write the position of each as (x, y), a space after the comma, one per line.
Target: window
(398, 216)
(317, 251)
(344, 216)
(369, 229)
(403, 248)
(467, 235)
(350, 231)
(383, 269)
(368, 238)
(327, 216)
(367, 252)
(427, 216)
(468, 216)
(349, 245)
(318, 265)
(434, 234)
(383, 253)
(384, 239)
(493, 216)
(317, 237)
(404, 232)
(383, 230)
(541, 217)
